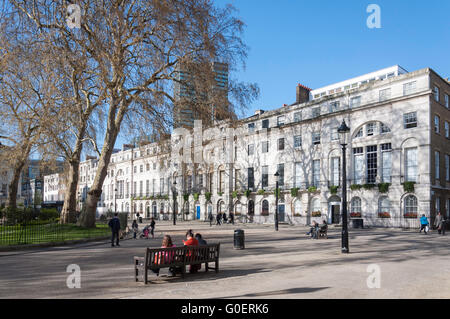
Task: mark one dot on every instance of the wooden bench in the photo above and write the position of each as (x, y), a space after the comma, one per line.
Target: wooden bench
(176, 257)
(323, 232)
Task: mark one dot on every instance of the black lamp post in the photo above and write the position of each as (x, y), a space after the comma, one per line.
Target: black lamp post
(344, 131)
(174, 191)
(277, 178)
(115, 200)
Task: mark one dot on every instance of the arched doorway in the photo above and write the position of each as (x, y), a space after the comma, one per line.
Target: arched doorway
(281, 211)
(334, 210)
(251, 210)
(147, 210)
(197, 210)
(154, 210)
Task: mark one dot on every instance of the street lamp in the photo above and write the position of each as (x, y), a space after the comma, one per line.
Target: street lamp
(344, 131)
(115, 200)
(174, 192)
(277, 178)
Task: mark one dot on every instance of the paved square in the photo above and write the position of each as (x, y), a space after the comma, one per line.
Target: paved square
(283, 264)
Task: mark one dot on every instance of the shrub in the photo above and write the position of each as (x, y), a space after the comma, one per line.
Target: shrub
(234, 194)
(316, 214)
(408, 187)
(186, 197)
(368, 186)
(383, 187)
(208, 196)
(334, 189)
(196, 196)
(277, 192)
(355, 214)
(355, 187)
(294, 192)
(312, 189)
(48, 214)
(247, 193)
(123, 217)
(261, 192)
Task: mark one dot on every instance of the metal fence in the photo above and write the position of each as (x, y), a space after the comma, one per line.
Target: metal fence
(13, 232)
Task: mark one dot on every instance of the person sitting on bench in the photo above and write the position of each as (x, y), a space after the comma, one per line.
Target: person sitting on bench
(191, 241)
(313, 229)
(167, 257)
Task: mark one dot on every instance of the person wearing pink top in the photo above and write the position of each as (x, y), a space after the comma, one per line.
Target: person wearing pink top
(166, 257)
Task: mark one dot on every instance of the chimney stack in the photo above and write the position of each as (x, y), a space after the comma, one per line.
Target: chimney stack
(302, 94)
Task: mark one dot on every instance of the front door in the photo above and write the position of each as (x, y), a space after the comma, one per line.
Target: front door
(251, 210)
(198, 212)
(154, 211)
(281, 213)
(335, 214)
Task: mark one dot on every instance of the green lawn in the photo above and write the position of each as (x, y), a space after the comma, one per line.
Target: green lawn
(46, 233)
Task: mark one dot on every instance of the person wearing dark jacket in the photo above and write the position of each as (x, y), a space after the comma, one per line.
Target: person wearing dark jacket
(200, 239)
(114, 224)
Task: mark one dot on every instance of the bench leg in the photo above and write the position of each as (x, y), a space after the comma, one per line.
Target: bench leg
(217, 265)
(206, 267)
(136, 271)
(145, 275)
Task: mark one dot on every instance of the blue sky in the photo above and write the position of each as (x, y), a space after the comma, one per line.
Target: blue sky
(320, 42)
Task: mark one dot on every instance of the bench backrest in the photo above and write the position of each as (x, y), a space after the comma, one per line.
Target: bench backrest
(179, 256)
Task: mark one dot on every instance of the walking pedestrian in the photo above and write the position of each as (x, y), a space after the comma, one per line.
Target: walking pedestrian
(439, 223)
(137, 217)
(135, 228)
(219, 219)
(114, 224)
(423, 224)
(232, 218)
(224, 218)
(152, 227)
(211, 218)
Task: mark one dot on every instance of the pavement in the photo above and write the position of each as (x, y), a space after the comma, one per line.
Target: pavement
(382, 263)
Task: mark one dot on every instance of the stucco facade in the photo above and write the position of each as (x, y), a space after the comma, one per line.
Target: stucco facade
(231, 167)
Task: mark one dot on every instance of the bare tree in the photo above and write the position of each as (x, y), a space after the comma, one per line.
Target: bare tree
(132, 51)
(23, 109)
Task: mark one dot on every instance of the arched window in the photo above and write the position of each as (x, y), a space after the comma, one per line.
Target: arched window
(356, 207)
(297, 207)
(410, 207)
(237, 208)
(384, 205)
(315, 205)
(265, 208)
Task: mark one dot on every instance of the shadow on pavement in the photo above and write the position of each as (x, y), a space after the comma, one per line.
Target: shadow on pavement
(280, 292)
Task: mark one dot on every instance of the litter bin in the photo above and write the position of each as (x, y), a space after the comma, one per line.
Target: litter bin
(239, 239)
(358, 223)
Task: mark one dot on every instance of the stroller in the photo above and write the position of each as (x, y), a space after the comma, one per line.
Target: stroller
(145, 232)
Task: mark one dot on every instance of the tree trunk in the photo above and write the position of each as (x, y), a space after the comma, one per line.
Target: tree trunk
(68, 213)
(14, 186)
(87, 217)
(18, 167)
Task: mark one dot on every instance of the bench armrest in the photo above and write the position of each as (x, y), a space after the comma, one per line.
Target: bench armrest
(137, 259)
